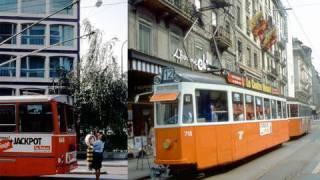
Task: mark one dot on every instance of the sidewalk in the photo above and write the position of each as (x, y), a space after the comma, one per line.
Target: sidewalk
(119, 167)
(143, 171)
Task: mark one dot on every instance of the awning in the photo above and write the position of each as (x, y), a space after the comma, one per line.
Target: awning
(164, 97)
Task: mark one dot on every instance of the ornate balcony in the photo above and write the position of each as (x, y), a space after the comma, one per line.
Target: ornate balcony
(176, 11)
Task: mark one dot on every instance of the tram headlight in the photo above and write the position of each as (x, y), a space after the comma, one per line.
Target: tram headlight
(166, 144)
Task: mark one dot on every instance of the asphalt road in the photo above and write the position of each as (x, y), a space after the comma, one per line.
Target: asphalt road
(294, 160)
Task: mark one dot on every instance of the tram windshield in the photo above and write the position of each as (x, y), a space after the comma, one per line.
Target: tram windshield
(167, 112)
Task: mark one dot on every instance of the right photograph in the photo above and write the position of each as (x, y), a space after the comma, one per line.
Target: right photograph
(223, 89)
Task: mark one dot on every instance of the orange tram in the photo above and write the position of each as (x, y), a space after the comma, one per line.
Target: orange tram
(37, 135)
(202, 121)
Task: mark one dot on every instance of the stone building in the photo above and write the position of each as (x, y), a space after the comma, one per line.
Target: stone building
(316, 89)
(302, 71)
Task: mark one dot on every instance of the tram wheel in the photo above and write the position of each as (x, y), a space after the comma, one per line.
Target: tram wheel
(183, 172)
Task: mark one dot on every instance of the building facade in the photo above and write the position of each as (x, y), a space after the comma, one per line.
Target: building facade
(315, 89)
(303, 71)
(37, 73)
(256, 59)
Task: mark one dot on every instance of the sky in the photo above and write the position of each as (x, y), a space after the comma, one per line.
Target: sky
(112, 19)
(305, 25)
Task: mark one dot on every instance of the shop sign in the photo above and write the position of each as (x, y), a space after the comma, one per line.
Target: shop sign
(234, 79)
(256, 85)
(201, 64)
(266, 88)
(265, 128)
(29, 143)
(275, 91)
(248, 83)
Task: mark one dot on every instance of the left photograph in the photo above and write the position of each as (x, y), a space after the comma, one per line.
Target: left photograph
(63, 89)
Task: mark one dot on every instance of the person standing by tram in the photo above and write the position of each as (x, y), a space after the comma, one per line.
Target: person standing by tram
(98, 148)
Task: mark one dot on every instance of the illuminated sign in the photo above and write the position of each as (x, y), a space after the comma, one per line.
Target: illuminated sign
(234, 79)
(256, 85)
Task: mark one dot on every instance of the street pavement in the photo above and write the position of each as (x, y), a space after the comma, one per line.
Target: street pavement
(140, 169)
(297, 159)
(110, 169)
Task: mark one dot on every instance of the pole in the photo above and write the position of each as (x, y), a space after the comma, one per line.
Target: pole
(122, 56)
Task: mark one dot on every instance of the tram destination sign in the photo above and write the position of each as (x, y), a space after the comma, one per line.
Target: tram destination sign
(29, 143)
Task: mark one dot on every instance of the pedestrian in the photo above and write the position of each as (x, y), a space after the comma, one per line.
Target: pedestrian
(89, 140)
(98, 148)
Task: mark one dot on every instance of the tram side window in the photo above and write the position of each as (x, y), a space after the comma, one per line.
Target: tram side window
(211, 106)
(249, 108)
(284, 110)
(7, 118)
(70, 119)
(237, 104)
(167, 112)
(62, 117)
(267, 109)
(279, 103)
(274, 109)
(259, 108)
(187, 115)
(35, 118)
(293, 110)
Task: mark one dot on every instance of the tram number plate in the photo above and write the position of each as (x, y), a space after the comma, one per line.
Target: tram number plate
(188, 133)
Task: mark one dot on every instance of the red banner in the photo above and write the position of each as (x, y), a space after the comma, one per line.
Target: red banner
(234, 79)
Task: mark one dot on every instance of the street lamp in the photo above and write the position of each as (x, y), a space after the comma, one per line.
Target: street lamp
(99, 3)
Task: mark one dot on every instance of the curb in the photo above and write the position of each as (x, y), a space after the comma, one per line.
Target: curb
(107, 165)
(88, 172)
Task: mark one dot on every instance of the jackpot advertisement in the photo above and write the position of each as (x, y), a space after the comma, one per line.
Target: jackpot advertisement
(28, 143)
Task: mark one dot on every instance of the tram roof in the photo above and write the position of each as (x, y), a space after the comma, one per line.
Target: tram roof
(36, 98)
(201, 77)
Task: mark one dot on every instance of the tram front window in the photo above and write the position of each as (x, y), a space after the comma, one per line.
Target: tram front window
(35, 118)
(167, 112)
(7, 118)
(211, 106)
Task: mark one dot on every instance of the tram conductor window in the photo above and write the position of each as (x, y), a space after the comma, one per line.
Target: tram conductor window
(211, 106)
(35, 118)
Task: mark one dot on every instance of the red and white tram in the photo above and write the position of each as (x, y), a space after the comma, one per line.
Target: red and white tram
(37, 135)
(202, 121)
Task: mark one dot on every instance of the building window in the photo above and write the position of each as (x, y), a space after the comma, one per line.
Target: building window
(240, 51)
(32, 91)
(197, 3)
(32, 66)
(174, 44)
(238, 16)
(255, 60)
(60, 34)
(214, 19)
(33, 6)
(9, 69)
(7, 92)
(248, 25)
(145, 38)
(9, 6)
(60, 66)
(249, 57)
(34, 35)
(56, 6)
(6, 31)
(199, 53)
